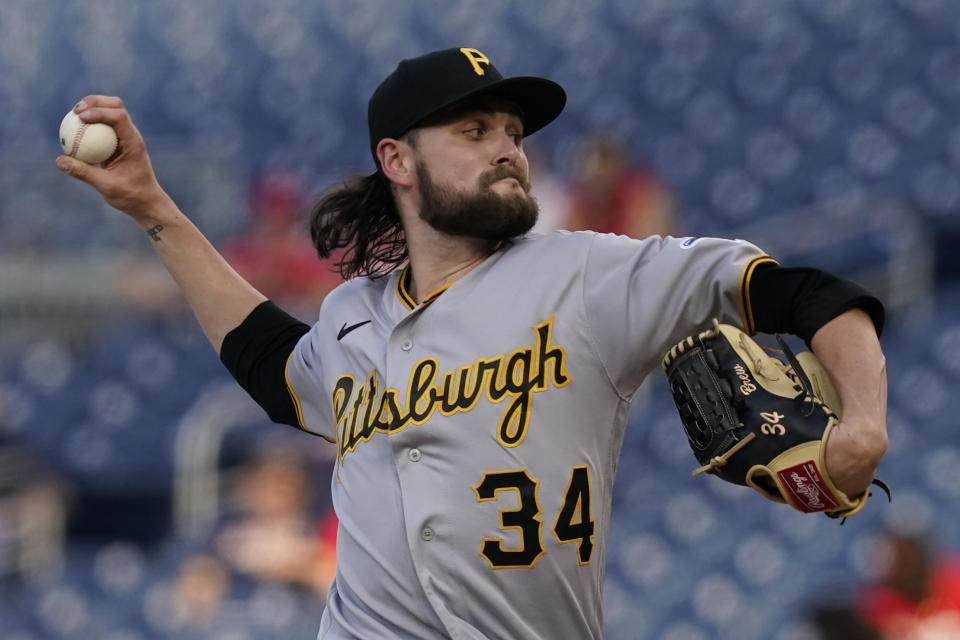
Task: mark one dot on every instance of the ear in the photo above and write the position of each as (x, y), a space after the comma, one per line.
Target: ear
(396, 161)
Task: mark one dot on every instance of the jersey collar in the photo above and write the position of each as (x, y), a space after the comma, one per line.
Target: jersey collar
(403, 290)
(403, 283)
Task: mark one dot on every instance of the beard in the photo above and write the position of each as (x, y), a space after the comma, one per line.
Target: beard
(484, 214)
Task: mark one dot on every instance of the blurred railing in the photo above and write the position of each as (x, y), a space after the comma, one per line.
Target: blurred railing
(222, 406)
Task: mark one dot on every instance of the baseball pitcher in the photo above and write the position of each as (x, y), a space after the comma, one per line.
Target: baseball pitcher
(475, 378)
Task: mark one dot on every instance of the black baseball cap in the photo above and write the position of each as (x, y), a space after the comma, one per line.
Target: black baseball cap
(423, 86)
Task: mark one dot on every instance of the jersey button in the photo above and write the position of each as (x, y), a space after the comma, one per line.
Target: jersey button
(427, 534)
(406, 345)
(414, 455)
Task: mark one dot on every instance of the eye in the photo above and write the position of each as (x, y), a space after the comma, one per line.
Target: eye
(475, 132)
(517, 138)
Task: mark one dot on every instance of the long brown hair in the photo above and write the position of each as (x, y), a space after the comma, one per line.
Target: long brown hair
(361, 217)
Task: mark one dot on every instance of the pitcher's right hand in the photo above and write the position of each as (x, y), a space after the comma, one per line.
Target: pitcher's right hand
(126, 180)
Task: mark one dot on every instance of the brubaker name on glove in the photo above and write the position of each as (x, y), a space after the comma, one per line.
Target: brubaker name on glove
(753, 419)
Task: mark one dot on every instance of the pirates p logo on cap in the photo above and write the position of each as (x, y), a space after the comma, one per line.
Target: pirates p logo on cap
(476, 58)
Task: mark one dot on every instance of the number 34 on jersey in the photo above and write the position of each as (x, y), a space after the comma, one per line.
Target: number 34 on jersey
(573, 522)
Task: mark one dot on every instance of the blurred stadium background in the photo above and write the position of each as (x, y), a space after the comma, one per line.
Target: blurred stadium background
(826, 131)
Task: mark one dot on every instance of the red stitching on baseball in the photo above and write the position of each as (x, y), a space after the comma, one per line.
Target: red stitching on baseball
(76, 140)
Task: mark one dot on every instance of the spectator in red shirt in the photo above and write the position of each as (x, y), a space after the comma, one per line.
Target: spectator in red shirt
(613, 193)
(918, 596)
(276, 254)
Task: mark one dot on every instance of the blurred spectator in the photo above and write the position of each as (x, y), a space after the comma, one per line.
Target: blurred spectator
(614, 193)
(276, 254)
(548, 188)
(200, 588)
(276, 536)
(918, 594)
(32, 515)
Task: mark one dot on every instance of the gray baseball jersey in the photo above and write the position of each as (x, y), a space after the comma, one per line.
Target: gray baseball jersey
(478, 432)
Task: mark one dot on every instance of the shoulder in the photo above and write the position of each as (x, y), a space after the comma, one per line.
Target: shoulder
(361, 291)
(541, 238)
(594, 242)
(557, 240)
(568, 246)
(362, 287)
(551, 250)
(351, 301)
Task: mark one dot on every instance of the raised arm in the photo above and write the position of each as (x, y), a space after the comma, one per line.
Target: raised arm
(849, 350)
(218, 296)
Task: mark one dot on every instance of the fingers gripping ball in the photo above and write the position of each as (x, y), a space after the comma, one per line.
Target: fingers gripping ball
(90, 142)
(754, 420)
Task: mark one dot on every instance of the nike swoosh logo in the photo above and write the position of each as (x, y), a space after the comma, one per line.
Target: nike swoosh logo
(344, 330)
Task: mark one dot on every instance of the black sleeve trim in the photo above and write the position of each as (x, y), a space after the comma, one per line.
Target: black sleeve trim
(256, 353)
(746, 310)
(800, 300)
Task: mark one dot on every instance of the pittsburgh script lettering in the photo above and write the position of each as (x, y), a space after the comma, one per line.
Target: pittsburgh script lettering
(362, 410)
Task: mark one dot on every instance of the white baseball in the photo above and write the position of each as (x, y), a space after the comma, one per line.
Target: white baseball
(92, 143)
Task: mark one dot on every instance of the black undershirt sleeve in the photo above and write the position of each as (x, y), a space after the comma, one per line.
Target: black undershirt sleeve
(256, 352)
(800, 300)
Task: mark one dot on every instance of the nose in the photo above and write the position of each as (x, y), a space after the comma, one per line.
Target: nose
(507, 151)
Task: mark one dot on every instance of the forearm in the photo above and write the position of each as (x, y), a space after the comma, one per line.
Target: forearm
(219, 297)
(849, 350)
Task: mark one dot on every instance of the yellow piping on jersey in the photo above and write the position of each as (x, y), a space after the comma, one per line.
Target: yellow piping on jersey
(405, 297)
(436, 294)
(746, 308)
(296, 400)
(404, 294)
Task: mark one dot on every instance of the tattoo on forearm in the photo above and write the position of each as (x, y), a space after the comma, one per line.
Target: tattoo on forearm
(154, 232)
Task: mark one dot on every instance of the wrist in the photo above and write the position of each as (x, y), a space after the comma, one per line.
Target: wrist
(853, 452)
(161, 211)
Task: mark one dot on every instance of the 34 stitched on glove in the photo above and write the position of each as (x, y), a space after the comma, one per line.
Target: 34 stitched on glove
(755, 420)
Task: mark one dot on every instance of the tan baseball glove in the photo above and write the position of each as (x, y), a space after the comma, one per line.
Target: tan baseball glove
(755, 420)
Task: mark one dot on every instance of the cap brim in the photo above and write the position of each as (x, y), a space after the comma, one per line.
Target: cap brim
(540, 100)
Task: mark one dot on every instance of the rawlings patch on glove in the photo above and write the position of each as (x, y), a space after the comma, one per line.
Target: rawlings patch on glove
(757, 421)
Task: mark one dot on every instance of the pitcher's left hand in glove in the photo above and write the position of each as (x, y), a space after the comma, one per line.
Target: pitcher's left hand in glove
(753, 420)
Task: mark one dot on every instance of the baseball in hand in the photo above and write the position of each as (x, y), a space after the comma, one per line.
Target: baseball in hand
(92, 143)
